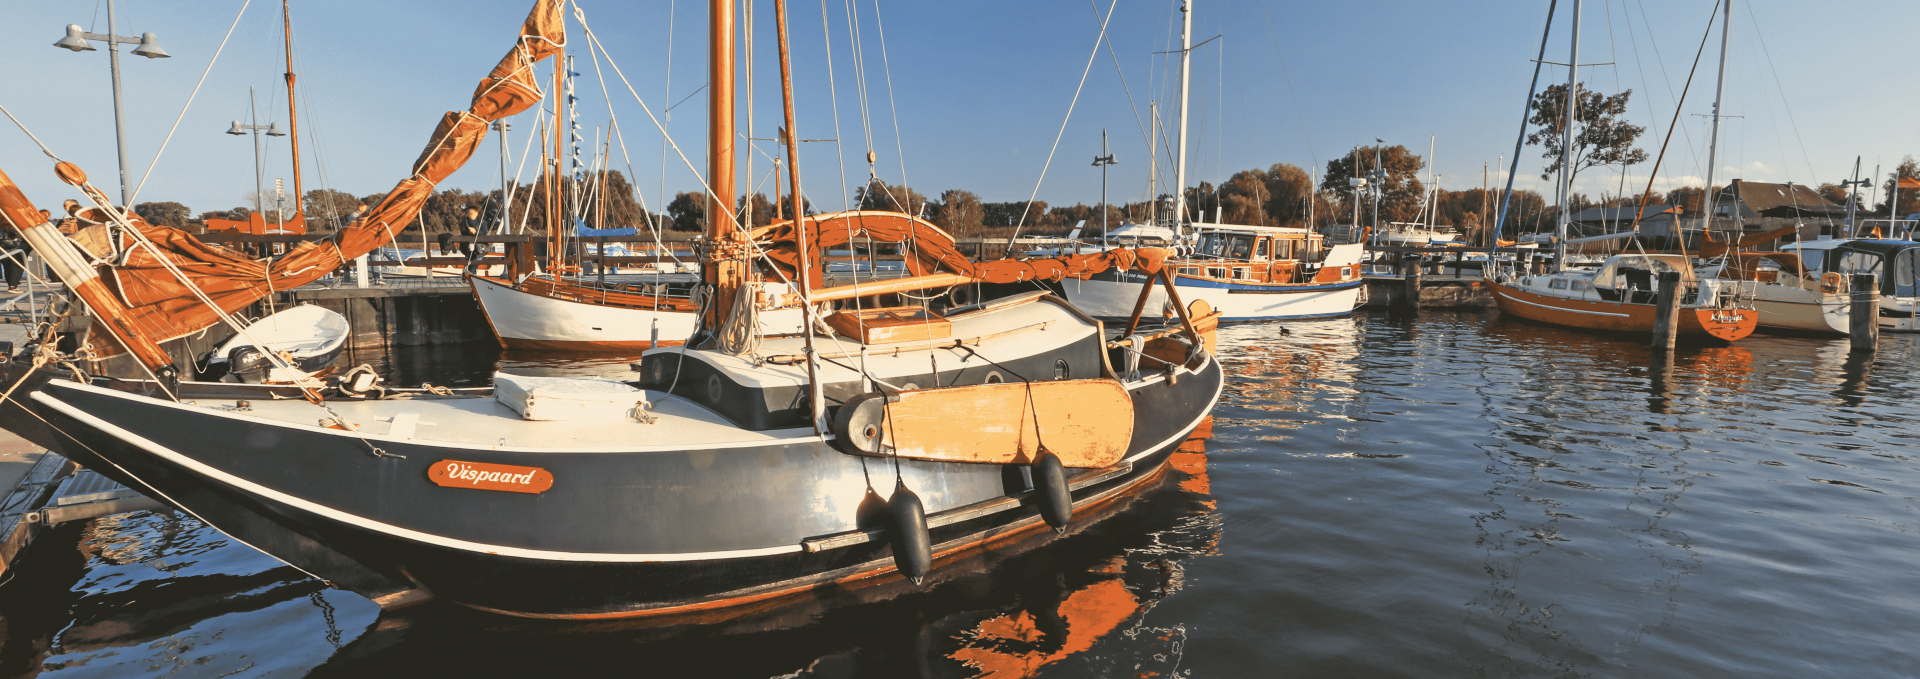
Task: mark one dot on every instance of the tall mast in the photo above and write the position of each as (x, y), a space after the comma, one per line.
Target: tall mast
(1180, 161)
(1566, 146)
(1153, 155)
(554, 257)
(725, 271)
(1713, 141)
(293, 117)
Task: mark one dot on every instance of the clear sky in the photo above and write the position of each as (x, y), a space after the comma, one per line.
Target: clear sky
(977, 89)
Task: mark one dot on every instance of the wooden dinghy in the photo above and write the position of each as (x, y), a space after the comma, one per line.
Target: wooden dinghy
(1088, 423)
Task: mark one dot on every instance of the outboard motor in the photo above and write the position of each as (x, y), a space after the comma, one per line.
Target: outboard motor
(248, 364)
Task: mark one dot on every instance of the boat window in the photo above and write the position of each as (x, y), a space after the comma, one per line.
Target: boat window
(1855, 261)
(1260, 248)
(1558, 284)
(1903, 270)
(1226, 245)
(1282, 249)
(1582, 286)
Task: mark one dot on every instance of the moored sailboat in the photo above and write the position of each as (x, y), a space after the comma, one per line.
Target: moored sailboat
(740, 468)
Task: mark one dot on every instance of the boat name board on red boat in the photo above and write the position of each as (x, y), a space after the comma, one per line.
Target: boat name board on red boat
(1723, 317)
(484, 476)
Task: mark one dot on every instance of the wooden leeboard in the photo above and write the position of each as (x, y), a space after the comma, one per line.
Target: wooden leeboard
(1088, 423)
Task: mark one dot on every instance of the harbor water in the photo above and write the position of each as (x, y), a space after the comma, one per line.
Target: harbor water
(1447, 494)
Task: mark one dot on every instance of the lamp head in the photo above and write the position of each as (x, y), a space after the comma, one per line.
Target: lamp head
(273, 130)
(150, 47)
(76, 39)
(235, 130)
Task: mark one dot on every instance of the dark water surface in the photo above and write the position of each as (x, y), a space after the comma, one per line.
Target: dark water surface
(1452, 495)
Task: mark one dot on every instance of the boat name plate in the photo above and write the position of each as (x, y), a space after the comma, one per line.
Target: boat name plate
(484, 476)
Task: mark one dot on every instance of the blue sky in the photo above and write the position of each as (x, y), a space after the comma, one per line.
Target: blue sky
(978, 89)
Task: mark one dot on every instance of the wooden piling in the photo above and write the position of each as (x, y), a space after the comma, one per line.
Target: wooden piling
(1863, 332)
(1666, 314)
(1411, 268)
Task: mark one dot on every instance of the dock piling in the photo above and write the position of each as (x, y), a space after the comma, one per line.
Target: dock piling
(1410, 270)
(1666, 314)
(1864, 329)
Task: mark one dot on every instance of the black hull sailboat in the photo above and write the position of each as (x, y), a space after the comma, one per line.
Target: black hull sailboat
(877, 443)
(625, 528)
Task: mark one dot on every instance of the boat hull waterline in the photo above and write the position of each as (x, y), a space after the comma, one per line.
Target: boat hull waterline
(317, 499)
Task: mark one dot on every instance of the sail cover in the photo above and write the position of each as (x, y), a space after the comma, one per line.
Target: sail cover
(930, 249)
(157, 299)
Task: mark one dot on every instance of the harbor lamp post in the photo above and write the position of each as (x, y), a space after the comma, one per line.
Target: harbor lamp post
(149, 47)
(1102, 161)
(1359, 184)
(272, 130)
(1853, 198)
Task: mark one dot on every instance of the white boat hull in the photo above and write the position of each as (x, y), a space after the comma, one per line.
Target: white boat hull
(524, 320)
(1115, 299)
(1791, 308)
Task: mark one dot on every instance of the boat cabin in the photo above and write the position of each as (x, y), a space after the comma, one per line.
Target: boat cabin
(1633, 279)
(1894, 261)
(1263, 254)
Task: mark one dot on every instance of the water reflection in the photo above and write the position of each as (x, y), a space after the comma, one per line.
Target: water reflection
(157, 594)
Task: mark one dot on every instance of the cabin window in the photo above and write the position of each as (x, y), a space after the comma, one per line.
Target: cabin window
(1242, 272)
(1226, 245)
(1260, 248)
(1854, 261)
(1061, 371)
(1282, 249)
(1903, 269)
(1558, 284)
(1582, 286)
(1189, 271)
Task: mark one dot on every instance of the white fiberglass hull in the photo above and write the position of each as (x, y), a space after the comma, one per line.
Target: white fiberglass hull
(1792, 308)
(1235, 302)
(528, 321)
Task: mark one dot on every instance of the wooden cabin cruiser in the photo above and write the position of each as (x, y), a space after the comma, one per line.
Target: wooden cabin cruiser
(1247, 273)
(1620, 296)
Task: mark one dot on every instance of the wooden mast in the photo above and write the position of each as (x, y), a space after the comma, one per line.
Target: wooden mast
(554, 257)
(815, 399)
(293, 119)
(726, 263)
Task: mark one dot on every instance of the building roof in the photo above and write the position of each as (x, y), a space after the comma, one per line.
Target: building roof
(1623, 214)
(1761, 197)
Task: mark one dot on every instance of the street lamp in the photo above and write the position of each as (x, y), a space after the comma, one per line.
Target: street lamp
(149, 47)
(1853, 198)
(1102, 161)
(272, 130)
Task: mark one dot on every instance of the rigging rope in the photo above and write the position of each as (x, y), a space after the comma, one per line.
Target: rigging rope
(189, 104)
(1063, 126)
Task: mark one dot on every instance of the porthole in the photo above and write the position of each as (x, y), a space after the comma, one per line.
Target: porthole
(909, 386)
(713, 389)
(1060, 370)
(657, 373)
(994, 377)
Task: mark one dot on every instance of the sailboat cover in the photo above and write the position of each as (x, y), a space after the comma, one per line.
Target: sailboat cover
(932, 250)
(159, 302)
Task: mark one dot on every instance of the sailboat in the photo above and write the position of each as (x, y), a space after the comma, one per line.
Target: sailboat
(1247, 273)
(740, 468)
(1620, 295)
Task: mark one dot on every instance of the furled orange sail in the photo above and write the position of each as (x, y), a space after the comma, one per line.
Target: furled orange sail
(157, 299)
(931, 250)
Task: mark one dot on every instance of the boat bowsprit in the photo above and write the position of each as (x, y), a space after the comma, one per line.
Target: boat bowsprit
(711, 490)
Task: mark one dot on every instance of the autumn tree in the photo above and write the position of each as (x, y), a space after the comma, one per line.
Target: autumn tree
(165, 214)
(1600, 137)
(1400, 191)
(960, 213)
(328, 208)
(1909, 196)
(688, 211)
(879, 195)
